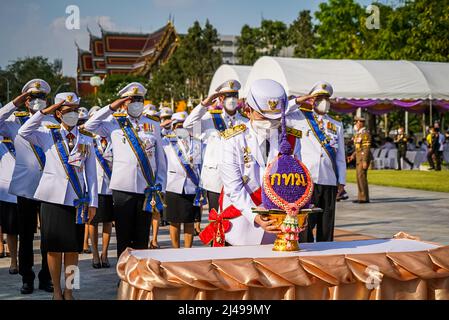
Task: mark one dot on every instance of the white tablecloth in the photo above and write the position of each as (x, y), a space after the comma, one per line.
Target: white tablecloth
(265, 251)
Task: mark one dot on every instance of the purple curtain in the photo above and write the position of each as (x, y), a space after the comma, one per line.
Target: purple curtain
(442, 105)
(406, 104)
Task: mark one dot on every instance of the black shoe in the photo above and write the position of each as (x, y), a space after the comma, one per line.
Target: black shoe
(27, 288)
(355, 201)
(96, 265)
(46, 286)
(13, 271)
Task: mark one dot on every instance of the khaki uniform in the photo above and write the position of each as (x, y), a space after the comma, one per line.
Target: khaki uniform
(362, 142)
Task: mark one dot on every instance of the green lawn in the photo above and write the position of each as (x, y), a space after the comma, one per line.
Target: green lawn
(424, 180)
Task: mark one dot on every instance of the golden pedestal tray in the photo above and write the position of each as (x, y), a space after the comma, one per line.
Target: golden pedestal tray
(280, 244)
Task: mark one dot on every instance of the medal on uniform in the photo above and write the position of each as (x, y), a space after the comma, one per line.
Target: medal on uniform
(246, 156)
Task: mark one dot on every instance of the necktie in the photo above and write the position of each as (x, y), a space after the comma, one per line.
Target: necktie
(70, 139)
(267, 149)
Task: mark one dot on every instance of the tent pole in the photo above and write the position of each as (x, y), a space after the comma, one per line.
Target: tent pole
(430, 113)
(406, 122)
(423, 122)
(386, 124)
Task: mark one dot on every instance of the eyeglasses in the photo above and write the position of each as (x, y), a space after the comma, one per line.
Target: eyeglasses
(137, 99)
(38, 95)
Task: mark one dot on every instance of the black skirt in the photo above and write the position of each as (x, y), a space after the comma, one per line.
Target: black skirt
(180, 208)
(59, 231)
(9, 218)
(105, 210)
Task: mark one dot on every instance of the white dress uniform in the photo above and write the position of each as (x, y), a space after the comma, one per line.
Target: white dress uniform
(201, 124)
(315, 157)
(7, 162)
(106, 151)
(127, 175)
(27, 171)
(243, 165)
(54, 186)
(325, 174)
(128, 182)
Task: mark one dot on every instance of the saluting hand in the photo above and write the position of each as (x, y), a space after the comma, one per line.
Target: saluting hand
(53, 107)
(208, 101)
(20, 100)
(118, 103)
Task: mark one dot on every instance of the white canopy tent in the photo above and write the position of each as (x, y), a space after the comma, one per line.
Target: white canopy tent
(357, 79)
(227, 72)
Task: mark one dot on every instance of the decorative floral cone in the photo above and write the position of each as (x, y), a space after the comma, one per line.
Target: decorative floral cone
(287, 186)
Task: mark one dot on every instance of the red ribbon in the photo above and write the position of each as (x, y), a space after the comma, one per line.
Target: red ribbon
(218, 226)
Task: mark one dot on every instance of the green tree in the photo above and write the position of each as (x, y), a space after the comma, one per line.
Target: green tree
(339, 30)
(247, 45)
(302, 36)
(23, 70)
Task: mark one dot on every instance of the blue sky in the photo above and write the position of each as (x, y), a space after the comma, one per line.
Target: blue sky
(29, 28)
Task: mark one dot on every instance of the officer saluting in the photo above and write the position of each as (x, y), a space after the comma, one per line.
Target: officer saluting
(184, 195)
(30, 161)
(139, 165)
(68, 187)
(247, 151)
(323, 153)
(208, 125)
(363, 157)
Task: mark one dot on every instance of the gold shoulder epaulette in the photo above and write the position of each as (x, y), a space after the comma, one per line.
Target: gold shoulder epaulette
(6, 140)
(170, 136)
(87, 133)
(53, 126)
(21, 114)
(243, 114)
(119, 114)
(294, 132)
(215, 111)
(235, 130)
(154, 118)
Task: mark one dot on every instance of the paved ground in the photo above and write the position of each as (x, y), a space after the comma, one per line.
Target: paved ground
(420, 213)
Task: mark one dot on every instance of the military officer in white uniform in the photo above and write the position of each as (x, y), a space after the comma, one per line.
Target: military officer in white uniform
(183, 194)
(323, 153)
(68, 187)
(30, 161)
(247, 150)
(9, 224)
(139, 165)
(165, 115)
(208, 125)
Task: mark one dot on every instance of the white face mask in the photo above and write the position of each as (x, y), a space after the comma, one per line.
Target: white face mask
(181, 133)
(323, 106)
(231, 103)
(266, 124)
(135, 109)
(37, 104)
(70, 118)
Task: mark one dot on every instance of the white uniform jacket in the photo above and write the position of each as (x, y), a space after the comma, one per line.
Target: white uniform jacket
(242, 169)
(54, 185)
(106, 152)
(313, 154)
(7, 162)
(127, 175)
(27, 170)
(201, 125)
(177, 178)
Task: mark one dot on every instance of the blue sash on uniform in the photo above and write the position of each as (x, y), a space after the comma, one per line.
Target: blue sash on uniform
(153, 195)
(104, 164)
(200, 195)
(324, 141)
(218, 122)
(81, 204)
(39, 153)
(10, 146)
